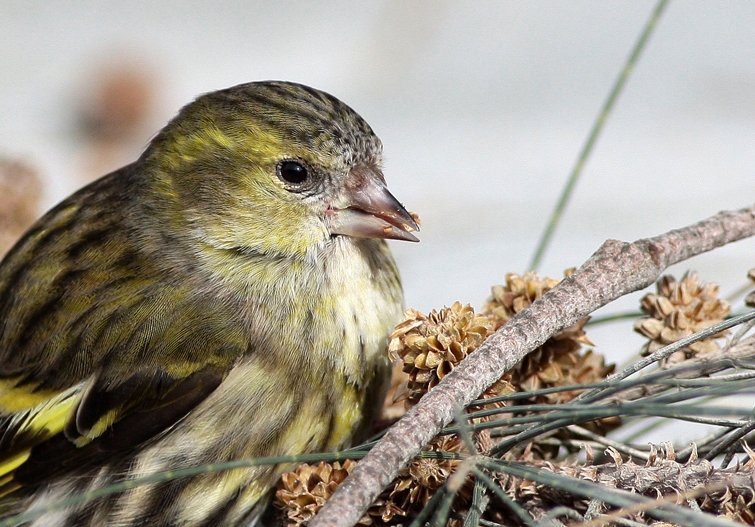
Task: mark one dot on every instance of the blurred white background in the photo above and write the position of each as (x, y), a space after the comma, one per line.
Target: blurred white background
(482, 107)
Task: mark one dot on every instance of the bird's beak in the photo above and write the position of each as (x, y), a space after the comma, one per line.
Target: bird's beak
(371, 211)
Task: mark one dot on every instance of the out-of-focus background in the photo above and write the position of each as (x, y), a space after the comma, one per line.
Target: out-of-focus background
(482, 106)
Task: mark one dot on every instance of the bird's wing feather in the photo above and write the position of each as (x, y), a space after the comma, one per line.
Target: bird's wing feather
(102, 415)
(147, 418)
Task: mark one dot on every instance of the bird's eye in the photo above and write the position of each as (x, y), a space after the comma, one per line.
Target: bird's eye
(292, 172)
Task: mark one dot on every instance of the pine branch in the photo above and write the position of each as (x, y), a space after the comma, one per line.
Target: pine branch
(665, 482)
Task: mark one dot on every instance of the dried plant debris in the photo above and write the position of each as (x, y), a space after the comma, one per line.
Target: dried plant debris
(516, 295)
(561, 360)
(430, 346)
(677, 310)
(723, 492)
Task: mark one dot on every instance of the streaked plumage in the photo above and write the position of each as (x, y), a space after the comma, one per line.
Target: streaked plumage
(201, 305)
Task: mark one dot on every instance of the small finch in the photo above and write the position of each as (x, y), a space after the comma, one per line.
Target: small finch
(226, 296)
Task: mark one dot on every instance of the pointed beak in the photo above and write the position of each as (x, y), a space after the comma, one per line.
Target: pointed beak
(372, 212)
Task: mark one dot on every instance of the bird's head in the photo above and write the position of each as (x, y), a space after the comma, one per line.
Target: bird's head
(274, 168)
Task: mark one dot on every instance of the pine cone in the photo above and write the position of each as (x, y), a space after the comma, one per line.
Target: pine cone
(679, 309)
(558, 361)
(431, 346)
(517, 295)
(417, 483)
(302, 493)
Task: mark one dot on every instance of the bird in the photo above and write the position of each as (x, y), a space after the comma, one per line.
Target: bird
(227, 296)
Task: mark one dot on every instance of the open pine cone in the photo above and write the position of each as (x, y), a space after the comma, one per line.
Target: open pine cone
(431, 346)
(302, 493)
(679, 309)
(416, 484)
(558, 361)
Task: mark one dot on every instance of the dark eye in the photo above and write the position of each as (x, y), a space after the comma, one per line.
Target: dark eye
(292, 172)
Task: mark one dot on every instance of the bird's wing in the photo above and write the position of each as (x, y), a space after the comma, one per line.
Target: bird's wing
(131, 397)
(101, 345)
(157, 373)
(127, 416)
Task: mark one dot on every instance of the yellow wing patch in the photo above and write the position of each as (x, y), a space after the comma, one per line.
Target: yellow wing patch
(38, 423)
(49, 418)
(102, 424)
(25, 397)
